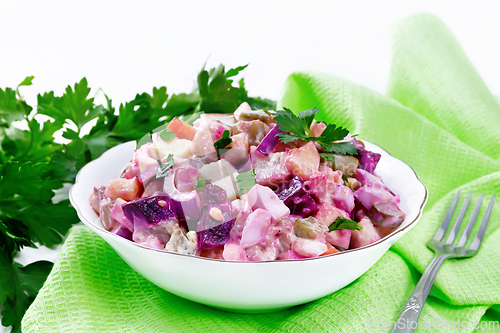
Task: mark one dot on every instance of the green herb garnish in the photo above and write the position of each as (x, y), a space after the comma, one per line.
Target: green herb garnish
(162, 171)
(200, 183)
(246, 180)
(343, 223)
(328, 157)
(167, 135)
(299, 127)
(221, 144)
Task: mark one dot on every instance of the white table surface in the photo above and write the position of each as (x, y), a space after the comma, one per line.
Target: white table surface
(127, 47)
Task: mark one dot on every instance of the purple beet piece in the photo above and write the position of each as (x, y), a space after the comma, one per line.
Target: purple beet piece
(213, 194)
(368, 160)
(269, 142)
(154, 209)
(207, 222)
(124, 232)
(215, 236)
(296, 197)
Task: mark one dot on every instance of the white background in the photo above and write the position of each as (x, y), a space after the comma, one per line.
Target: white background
(128, 47)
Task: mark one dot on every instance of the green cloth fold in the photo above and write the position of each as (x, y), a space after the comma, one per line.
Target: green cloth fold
(438, 116)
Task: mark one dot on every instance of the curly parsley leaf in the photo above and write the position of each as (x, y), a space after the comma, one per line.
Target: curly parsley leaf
(12, 108)
(221, 144)
(235, 71)
(75, 105)
(18, 288)
(246, 181)
(289, 122)
(299, 128)
(343, 223)
(344, 148)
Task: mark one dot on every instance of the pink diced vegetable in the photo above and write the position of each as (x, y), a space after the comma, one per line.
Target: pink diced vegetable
(340, 238)
(303, 161)
(256, 227)
(263, 197)
(234, 252)
(309, 248)
(117, 214)
(368, 195)
(367, 235)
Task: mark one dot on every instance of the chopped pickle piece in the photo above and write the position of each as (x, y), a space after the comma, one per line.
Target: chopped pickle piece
(255, 115)
(345, 163)
(309, 228)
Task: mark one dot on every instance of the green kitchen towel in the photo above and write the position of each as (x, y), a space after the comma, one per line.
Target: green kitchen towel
(438, 116)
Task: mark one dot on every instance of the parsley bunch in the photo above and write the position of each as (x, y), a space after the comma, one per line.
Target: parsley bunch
(33, 166)
(299, 127)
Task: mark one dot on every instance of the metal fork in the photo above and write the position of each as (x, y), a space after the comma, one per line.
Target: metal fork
(407, 321)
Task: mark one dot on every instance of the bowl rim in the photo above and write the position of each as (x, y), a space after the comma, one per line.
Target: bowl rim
(121, 239)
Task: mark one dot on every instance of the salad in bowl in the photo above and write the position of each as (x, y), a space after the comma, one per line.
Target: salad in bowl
(250, 186)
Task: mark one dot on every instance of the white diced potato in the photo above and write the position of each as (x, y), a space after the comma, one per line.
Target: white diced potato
(177, 147)
(227, 119)
(229, 185)
(217, 170)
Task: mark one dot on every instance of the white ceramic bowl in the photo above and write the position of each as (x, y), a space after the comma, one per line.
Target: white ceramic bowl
(248, 286)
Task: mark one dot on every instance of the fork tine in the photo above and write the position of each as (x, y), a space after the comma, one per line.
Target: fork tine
(479, 236)
(460, 218)
(442, 229)
(467, 231)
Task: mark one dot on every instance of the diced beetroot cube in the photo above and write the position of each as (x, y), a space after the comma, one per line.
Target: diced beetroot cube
(124, 232)
(296, 197)
(215, 236)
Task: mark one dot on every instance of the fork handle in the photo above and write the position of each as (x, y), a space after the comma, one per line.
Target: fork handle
(408, 319)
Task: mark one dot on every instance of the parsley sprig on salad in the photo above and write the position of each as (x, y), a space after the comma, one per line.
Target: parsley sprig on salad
(299, 127)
